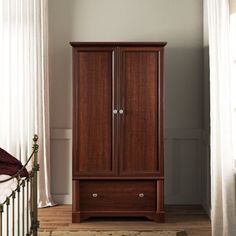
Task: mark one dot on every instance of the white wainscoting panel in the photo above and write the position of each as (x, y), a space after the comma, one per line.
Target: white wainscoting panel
(206, 173)
(185, 166)
(61, 165)
(183, 182)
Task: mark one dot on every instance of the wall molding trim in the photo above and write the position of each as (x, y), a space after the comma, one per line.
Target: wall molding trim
(169, 133)
(182, 147)
(61, 143)
(174, 133)
(61, 133)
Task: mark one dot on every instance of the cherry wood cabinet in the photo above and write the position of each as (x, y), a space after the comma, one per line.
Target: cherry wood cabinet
(118, 130)
(93, 125)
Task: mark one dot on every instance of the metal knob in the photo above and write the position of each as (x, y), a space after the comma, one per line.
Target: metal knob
(115, 111)
(141, 195)
(121, 111)
(95, 195)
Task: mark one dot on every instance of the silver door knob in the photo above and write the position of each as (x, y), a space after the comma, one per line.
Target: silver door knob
(95, 195)
(115, 111)
(141, 195)
(121, 111)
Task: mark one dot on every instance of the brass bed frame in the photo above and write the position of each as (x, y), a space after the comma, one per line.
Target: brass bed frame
(19, 210)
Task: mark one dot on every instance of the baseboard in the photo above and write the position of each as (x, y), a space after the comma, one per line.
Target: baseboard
(62, 198)
(207, 208)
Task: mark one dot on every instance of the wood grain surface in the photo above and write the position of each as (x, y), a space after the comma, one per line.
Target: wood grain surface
(117, 195)
(139, 99)
(192, 219)
(92, 140)
(118, 130)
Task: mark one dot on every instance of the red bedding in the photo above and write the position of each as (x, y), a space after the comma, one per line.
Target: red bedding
(9, 165)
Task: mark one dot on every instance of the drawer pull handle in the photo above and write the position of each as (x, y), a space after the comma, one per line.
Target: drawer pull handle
(141, 195)
(95, 195)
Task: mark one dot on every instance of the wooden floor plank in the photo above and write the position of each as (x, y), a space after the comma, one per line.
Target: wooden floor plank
(192, 219)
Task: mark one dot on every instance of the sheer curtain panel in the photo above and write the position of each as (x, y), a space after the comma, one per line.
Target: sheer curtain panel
(222, 160)
(24, 98)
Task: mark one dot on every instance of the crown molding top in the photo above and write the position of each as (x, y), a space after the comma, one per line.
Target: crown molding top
(159, 44)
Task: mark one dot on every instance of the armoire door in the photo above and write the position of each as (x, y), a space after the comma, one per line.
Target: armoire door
(93, 120)
(140, 129)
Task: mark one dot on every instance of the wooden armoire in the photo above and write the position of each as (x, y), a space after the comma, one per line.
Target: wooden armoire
(118, 166)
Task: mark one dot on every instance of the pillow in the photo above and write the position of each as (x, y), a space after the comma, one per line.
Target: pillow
(9, 165)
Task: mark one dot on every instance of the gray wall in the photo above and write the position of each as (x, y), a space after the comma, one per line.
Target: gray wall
(206, 116)
(180, 23)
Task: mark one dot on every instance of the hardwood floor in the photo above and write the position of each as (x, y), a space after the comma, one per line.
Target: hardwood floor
(192, 219)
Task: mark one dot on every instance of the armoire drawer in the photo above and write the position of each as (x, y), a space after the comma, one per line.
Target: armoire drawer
(116, 195)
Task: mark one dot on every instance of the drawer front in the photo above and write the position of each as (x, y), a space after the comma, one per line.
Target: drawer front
(116, 195)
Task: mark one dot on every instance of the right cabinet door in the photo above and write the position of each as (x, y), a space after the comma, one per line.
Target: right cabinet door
(140, 124)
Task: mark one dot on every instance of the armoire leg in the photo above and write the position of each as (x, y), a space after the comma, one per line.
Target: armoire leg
(158, 217)
(77, 217)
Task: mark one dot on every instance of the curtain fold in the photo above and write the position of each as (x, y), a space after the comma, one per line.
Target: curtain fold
(24, 86)
(222, 160)
(232, 6)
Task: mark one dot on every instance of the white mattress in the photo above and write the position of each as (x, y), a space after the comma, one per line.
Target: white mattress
(7, 187)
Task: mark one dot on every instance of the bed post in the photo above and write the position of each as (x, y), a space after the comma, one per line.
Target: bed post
(35, 222)
(1, 212)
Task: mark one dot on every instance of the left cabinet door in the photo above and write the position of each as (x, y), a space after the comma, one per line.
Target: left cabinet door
(94, 124)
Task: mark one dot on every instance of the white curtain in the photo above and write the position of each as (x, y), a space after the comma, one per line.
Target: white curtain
(24, 97)
(222, 160)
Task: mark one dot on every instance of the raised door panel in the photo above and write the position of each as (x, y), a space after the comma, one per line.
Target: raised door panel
(93, 123)
(140, 147)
